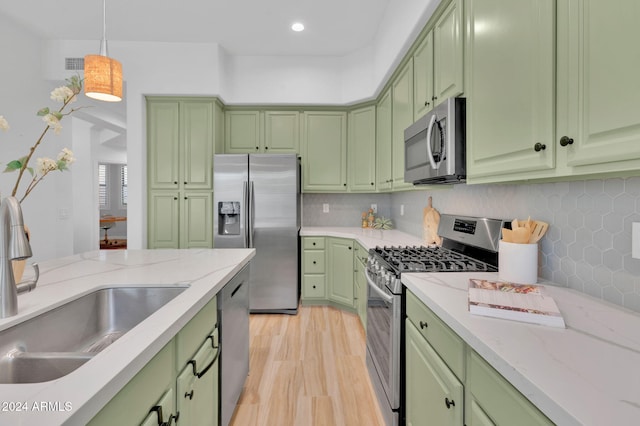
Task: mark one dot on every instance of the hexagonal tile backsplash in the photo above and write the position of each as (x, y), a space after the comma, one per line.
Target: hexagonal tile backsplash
(587, 246)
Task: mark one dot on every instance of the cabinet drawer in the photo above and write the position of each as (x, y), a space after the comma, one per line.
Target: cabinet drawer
(313, 243)
(447, 343)
(497, 397)
(313, 261)
(314, 286)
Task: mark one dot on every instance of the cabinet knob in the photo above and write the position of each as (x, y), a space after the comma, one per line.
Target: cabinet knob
(566, 140)
(266, 147)
(313, 286)
(175, 198)
(175, 182)
(189, 394)
(423, 325)
(344, 184)
(185, 183)
(349, 248)
(257, 148)
(185, 198)
(314, 262)
(314, 244)
(539, 147)
(372, 184)
(449, 403)
(426, 103)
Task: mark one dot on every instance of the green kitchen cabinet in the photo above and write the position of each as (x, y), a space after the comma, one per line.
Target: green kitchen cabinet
(360, 280)
(282, 132)
(362, 149)
(324, 151)
(384, 143)
(153, 386)
(448, 53)
(242, 132)
(340, 271)
(402, 117)
(180, 143)
(314, 287)
(423, 97)
(598, 97)
(180, 219)
(434, 395)
(510, 92)
(490, 399)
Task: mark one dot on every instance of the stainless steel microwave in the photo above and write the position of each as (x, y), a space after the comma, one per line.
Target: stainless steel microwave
(434, 146)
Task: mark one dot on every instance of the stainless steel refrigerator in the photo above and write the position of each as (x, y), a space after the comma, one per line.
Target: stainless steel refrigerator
(257, 204)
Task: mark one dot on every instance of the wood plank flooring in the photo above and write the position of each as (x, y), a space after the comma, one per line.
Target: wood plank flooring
(307, 369)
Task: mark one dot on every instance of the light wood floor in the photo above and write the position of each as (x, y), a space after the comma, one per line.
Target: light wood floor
(307, 369)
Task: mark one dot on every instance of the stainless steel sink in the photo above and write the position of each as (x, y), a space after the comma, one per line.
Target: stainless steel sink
(59, 341)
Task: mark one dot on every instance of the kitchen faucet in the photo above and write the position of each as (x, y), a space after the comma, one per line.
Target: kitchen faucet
(14, 245)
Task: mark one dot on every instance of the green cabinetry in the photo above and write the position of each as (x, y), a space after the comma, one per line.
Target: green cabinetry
(257, 131)
(313, 269)
(402, 117)
(328, 272)
(449, 383)
(324, 151)
(362, 149)
(384, 142)
(340, 271)
(438, 67)
(360, 280)
(181, 136)
(510, 92)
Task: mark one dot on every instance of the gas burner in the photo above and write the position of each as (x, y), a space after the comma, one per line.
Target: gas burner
(428, 259)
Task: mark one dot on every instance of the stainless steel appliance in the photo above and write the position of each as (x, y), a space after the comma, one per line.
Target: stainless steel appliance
(257, 204)
(233, 317)
(469, 244)
(434, 146)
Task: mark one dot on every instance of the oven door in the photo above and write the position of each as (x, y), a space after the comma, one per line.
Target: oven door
(383, 340)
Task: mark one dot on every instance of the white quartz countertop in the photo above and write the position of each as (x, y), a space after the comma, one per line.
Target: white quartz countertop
(367, 237)
(586, 374)
(75, 398)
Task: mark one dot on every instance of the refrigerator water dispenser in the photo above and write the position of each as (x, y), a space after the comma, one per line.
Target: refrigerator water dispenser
(229, 218)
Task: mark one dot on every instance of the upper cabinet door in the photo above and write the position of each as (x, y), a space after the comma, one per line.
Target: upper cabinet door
(324, 151)
(362, 149)
(510, 91)
(383, 142)
(163, 127)
(242, 132)
(197, 144)
(448, 53)
(598, 88)
(423, 97)
(282, 132)
(402, 113)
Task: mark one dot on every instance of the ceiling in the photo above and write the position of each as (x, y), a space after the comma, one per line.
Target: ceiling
(242, 27)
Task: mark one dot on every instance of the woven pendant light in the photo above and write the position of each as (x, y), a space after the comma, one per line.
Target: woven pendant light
(102, 74)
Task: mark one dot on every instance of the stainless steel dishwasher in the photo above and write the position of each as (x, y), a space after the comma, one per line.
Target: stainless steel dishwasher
(233, 317)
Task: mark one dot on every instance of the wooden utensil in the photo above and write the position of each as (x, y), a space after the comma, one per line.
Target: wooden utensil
(520, 235)
(430, 222)
(506, 235)
(538, 231)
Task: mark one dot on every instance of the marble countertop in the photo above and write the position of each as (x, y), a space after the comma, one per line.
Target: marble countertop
(586, 374)
(75, 398)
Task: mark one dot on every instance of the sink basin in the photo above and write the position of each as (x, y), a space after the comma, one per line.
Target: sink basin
(59, 341)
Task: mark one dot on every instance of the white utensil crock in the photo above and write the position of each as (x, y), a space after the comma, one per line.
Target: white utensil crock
(518, 263)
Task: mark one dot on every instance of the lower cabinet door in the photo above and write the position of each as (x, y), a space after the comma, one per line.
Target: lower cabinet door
(434, 395)
(197, 384)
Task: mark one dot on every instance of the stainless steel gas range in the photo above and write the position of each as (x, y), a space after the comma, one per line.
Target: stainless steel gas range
(470, 244)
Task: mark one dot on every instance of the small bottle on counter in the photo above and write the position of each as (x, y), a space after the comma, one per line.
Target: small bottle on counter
(365, 224)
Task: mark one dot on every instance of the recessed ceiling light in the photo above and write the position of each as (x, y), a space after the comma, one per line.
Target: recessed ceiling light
(297, 26)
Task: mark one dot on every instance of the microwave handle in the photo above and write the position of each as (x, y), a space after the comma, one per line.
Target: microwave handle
(429, 151)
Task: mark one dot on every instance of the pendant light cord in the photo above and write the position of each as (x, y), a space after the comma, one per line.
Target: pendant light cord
(103, 43)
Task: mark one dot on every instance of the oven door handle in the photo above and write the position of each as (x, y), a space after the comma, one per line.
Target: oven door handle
(372, 285)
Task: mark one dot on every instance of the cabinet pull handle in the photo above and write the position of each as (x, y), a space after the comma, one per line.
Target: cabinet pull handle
(423, 325)
(566, 140)
(449, 403)
(189, 394)
(539, 147)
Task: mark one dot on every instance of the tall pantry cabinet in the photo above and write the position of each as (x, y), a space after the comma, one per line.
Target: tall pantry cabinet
(181, 135)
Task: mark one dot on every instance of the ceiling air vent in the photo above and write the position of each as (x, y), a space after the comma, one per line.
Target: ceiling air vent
(74, 64)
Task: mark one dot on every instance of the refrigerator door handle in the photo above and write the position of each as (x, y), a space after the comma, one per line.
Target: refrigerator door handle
(251, 213)
(245, 200)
